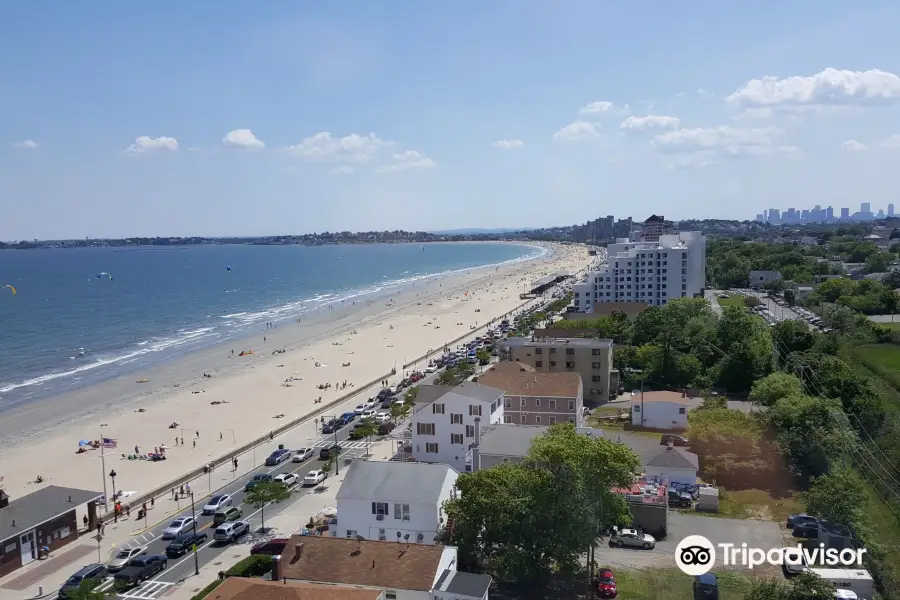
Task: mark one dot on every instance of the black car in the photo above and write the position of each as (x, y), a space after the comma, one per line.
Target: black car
(383, 393)
(90, 577)
(386, 428)
(140, 569)
(332, 426)
(675, 440)
(183, 543)
(256, 480)
(806, 529)
(278, 457)
(326, 453)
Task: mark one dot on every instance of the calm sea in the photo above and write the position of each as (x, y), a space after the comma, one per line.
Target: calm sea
(67, 328)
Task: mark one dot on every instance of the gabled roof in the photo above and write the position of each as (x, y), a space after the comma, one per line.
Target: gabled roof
(394, 481)
(674, 458)
(387, 565)
(476, 391)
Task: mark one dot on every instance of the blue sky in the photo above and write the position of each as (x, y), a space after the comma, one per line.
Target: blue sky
(239, 118)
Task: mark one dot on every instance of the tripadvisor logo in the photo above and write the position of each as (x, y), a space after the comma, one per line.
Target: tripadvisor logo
(696, 555)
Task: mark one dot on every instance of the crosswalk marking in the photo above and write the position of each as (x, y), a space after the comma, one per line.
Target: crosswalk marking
(344, 444)
(148, 590)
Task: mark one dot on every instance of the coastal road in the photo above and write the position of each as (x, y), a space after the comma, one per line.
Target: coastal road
(182, 567)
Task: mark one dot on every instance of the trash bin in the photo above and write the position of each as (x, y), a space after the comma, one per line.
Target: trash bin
(281, 446)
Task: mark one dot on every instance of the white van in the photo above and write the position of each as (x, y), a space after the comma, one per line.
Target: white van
(858, 581)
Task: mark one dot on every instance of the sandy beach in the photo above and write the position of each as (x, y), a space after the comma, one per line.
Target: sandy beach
(222, 401)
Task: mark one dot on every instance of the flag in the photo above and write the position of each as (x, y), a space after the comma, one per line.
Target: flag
(109, 443)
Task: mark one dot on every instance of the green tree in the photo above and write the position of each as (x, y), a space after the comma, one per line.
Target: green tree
(264, 494)
(398, 411)
(409, 396)
(791, 336)
(805, 586)
(790, 297)
(806, 433)
(366, 429)
(768, 390)
(87, 591)
(837, 497)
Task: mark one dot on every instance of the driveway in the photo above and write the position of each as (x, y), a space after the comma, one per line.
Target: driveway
(756, 534)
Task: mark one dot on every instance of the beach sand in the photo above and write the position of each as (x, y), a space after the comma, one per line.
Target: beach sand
(251, 390)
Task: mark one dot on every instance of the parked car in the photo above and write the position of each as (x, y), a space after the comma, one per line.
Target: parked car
(348, 417)
(632, 539)
(314, 477)
(706, 587)
(140, 569)
(794, 562)
(217, 503)
(325, 453)
(384, 393)
(278, 457)
(232, 513)
(386, 403)
(369, 413)
(232, 531)
(395, 389)
(386, 427)
(382, 418)
(606, 584)
(273, 547)
(184, 543)
(431, 369)
(89, 576)
(177, 527)
(302, 454)
(123, 557)
(287, 479)
(675, 440)
(806, 529)
(332, 425)
(680, 499)
(256, 480)
(799, 518)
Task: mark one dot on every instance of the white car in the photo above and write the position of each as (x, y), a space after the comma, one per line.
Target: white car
(368, 413)
(288, 479)
(359, 409)
(177, 527)
(123, 557)
(395, 389)
(431, 369)
(217, 503)
(301, 454)
(314, 477)
(382, 418)
(372, 402)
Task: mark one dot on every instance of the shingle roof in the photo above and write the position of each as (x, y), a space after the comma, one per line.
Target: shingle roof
(509, 439)
(674, 458)
(40, 506)
(523, 383)
(661, 396)
(394, 481)
(241, 588)
(391, 565)
(460, 583)
(430, 393)
(477, 391)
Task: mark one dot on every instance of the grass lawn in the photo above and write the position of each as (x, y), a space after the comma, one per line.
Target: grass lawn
(736, 300)
(895, 326)
(883, 359)
(759, 504)
(618, 426)
(656, 584)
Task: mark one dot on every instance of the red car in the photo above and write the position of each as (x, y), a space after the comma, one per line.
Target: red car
(606, 584)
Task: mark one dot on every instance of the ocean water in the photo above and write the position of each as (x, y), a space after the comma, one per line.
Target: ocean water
(66, 328)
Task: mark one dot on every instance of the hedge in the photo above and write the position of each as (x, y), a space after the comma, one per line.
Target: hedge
(252, 566)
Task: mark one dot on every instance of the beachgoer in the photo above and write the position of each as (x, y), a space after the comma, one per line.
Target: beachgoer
(187, 488)
(197, 433)
(220, 436)
(235, 461)
(84, 520)
(182, 441)
(195, 443)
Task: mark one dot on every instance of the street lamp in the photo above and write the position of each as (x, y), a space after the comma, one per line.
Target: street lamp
(194, 522)
(338, 457)
(112, 475)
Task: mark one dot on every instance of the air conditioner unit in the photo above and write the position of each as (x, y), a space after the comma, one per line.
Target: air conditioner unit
(379, 517)
(420, 537)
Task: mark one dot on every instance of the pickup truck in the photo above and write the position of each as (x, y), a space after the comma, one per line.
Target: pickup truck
(140, 569)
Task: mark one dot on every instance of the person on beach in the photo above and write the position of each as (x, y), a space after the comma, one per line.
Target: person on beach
(195, 443)
(220, 436)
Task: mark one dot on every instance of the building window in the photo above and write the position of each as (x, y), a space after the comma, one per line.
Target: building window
(508, 403)
(681, 411)
(431, 448)
(456, 418)
(437, 409)
(552, 404)
(507, 418)
(538, 350)
(595, 351)
(456, 438)
(521, 402)
(552, 363)
(390, 595)
(474, 410)
(551, 420)
(636, 408)
(552, 350)
(538, 364)
(596, 366)
(470, 431)
(571, 419)
(537, 402)
(571, 405)
(537, 419)
(570, 365)
(524, 417)
(379, 508)
(425, 428)
(570, 351)
(381, 535)
(596, 378)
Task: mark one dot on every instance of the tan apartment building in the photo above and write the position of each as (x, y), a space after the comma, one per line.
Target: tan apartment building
(590, 358)
(536, 397)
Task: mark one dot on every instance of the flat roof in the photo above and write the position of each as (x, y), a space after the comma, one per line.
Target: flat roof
(509, 439)
(25, 513)
(395, 481)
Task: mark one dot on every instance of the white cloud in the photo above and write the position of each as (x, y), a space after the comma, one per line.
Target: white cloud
(579, 130)
(26, 144)
(854, 146)
(148, 144)
(406, 161)
(243, 138)
(649, 122)
(345, 170)
(891, 142)
(755, 114)
(704, 147)
(703, 92)
(597, 108)
(354, 147)
(829, 87)
(508, 144)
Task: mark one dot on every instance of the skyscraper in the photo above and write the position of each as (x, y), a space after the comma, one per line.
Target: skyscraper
(845, 213)
(865, 207)
(890, 210)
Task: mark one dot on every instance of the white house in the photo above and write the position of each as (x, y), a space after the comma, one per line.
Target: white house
(404, 571)
(443, 431)
(659, 410)
(394, 501)
(760, 278)
(676, 465)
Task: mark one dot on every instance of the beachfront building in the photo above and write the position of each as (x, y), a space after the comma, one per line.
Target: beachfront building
(653, 272)
(443, 430)
(590, 358)
(242, 588)
(47, 517)
(404, 571)
(394, 501)
(534, 397)
(660, 410)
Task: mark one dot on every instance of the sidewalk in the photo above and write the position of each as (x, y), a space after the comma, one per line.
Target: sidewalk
(285, 523)
(129, 531)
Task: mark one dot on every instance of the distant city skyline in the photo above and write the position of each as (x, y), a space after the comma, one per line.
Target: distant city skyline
(818, 214)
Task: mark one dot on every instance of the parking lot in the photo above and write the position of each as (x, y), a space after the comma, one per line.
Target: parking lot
(773, 310)
(756, 534)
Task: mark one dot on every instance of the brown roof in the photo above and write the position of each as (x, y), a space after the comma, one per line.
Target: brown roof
(353, 562)
(529, 383)
(240, 588)
(662, 397)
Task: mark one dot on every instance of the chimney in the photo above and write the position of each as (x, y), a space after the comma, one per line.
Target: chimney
(476, 447)
(298, 552)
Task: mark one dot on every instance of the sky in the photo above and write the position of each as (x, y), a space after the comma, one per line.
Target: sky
(262, 118)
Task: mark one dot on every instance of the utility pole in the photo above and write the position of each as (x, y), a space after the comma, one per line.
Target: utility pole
(194, 521)
(642, 400)
(338, 457)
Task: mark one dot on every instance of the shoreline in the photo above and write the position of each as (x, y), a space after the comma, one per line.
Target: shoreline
(370, 340)
(316, 306)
